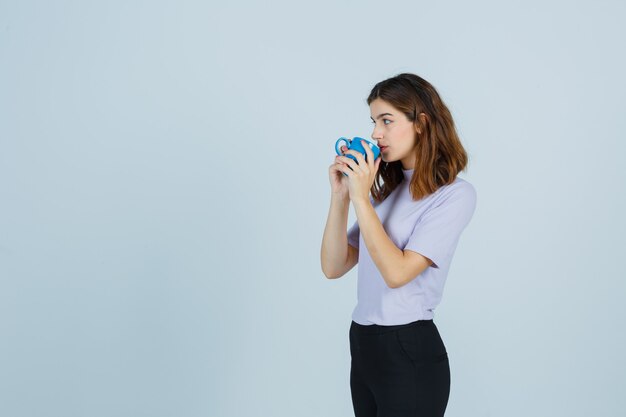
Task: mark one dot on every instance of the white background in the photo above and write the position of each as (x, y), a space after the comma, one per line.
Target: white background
(164, 190)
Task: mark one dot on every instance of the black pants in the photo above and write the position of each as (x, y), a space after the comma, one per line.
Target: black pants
(398, 371)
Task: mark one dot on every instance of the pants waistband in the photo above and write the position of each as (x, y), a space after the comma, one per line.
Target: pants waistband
(379, 329)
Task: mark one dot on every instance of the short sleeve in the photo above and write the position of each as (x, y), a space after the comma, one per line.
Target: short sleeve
(353, 235)
(438, 230)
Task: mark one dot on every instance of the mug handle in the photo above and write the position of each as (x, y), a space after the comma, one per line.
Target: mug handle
(338, 148)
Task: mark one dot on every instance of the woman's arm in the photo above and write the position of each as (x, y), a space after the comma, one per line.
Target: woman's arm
(395, 267)
(337, 257)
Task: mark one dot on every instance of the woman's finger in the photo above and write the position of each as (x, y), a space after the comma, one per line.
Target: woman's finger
(369, 153)
(360, 162)
(348, 161)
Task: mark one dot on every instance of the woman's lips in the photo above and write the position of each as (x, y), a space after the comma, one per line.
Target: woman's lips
(382, 148)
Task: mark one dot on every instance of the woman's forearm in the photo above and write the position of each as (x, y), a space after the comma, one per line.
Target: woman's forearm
(334, 252)
(387, 257)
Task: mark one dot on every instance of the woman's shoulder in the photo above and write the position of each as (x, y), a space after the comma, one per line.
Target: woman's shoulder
(462, 184)
(459, 188)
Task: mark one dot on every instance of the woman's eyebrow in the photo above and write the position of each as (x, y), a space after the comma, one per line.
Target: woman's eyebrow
(381, 115)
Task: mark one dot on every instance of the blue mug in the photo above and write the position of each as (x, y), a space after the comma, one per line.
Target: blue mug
(355, 145)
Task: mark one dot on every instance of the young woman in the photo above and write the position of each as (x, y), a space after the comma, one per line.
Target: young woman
(403, 240)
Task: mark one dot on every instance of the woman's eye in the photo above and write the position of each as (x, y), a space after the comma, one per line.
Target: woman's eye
(384, 120)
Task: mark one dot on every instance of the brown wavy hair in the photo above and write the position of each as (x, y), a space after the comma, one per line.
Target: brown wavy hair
(439, 155)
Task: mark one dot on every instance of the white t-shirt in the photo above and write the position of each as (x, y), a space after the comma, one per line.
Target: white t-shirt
(430, 226)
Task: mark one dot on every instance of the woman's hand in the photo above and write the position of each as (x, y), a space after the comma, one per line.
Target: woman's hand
(361, 176)
(338, 181)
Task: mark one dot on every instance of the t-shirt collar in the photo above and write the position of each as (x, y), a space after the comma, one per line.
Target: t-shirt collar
(408, 173)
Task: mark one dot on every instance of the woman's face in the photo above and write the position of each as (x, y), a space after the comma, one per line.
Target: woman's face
(394, 132)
